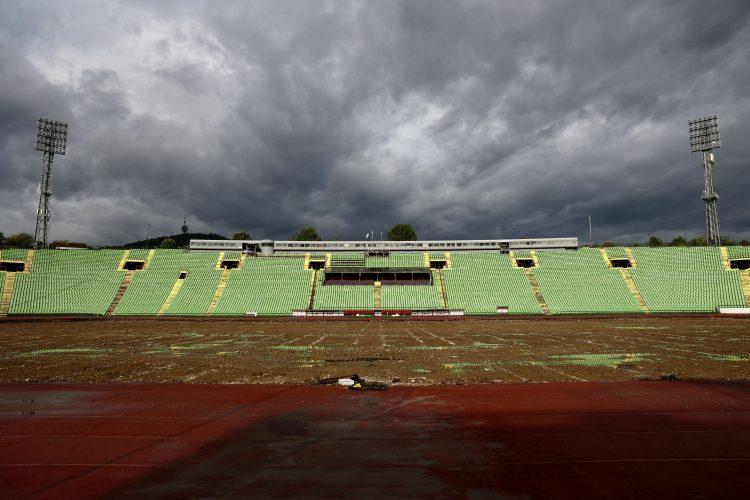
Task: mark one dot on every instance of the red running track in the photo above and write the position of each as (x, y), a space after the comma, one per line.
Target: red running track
(634, 439)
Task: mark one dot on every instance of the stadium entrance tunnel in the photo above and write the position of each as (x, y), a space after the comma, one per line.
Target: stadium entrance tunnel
(12, 267)
(316, 264)
(183, 275)
(230, 264)
(620, 263)
(133, 265)
(741, 264)
(437, 264)
(525, 262)
(386, 276)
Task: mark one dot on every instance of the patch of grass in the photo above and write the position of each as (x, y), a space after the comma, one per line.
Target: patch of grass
(293, 347)
(68, 350)
(597, 359)
(727, 357)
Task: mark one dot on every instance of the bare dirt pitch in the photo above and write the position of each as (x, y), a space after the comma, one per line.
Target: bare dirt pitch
(414, 352)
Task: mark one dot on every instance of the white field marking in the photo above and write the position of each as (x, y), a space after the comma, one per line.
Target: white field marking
(563, 373)
(415, 337)
(193, 377)
(519, 377)
(436, 336)
(321, 338)
(290, 341)
(640, 347)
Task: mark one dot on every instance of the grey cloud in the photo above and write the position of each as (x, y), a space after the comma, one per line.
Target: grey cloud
(479, 119)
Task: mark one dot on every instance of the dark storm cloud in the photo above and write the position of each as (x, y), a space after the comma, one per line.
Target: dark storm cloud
(479, 119)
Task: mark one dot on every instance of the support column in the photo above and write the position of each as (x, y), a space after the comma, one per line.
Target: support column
(713, 233)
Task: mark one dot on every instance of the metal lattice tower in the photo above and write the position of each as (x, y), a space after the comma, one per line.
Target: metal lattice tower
(704, 137)
(51, 139)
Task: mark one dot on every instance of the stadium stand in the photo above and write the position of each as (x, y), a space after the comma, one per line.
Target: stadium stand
(151, 287)
(685, 279)
(265, 286)
(407, 259)
(480, 282)
(411, 296)
(67, 282)
(181, 283)
(337, 297)
(581, 282)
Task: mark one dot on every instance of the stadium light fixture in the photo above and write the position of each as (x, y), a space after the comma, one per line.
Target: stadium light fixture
(704, 134)
(704, 137)
(51, 139)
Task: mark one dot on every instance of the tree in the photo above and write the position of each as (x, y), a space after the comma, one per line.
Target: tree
(699, 241)
(744, 243)
(727, 242)
(2, 240)
(678, 242)
(242, 235)
(66, 243)
(608, 244)
(20, 240)
(655, 241)
(168, 243)
(306, 234)
(402, 232)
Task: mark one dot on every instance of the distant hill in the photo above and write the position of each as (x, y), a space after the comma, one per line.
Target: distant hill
(183, 240)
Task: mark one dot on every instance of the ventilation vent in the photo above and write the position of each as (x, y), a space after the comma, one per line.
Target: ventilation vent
(316, 264)
(620, 262)
(12, 267)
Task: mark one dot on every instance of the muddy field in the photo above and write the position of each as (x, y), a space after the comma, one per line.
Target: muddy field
(410, 352)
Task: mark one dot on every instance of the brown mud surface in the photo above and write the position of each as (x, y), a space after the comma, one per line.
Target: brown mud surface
(414, 352)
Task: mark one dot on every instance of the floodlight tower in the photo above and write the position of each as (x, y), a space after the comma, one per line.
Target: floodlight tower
(704, 137)
(51, 139)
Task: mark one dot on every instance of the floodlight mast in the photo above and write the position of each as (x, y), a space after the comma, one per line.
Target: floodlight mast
(51, 139)
(704, 137)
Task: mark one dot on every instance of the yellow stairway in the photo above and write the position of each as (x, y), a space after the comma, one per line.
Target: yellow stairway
(306, 263)
(745, 280)
(126, 279)
(725, 258)
(629, 252)
(10, 280)
(29, 261)
(123, 260)
(219, 260)
(443, 293)
(625, 272)
(378, 295)
(534, 258)
(426, 259)
(242, 261)
(512, 257)
(218, 293)
(448, 264)
(605, 257)
(537, 291)
(313, 289)
(170, 298)
(149, 258)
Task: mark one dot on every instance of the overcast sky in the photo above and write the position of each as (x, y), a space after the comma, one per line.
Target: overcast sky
(479, 119)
